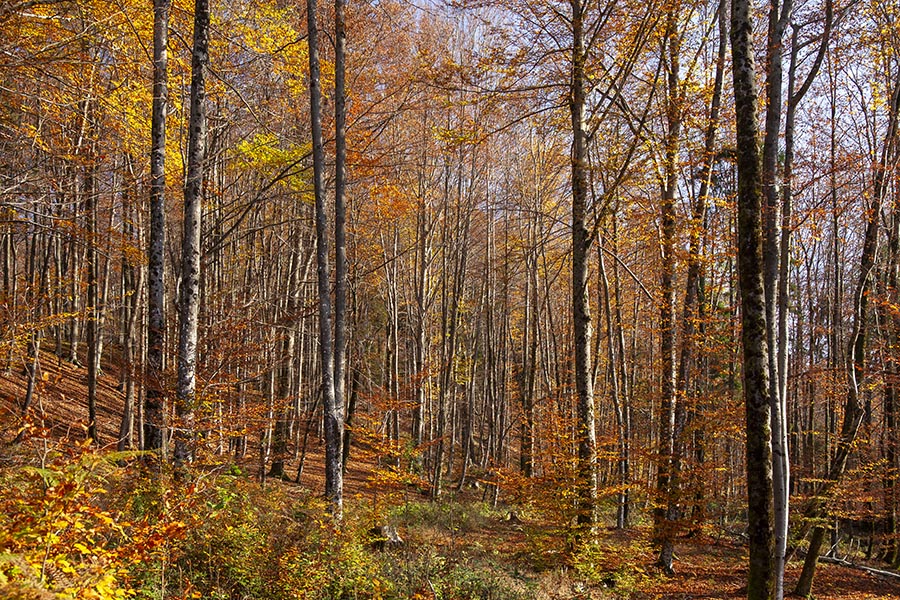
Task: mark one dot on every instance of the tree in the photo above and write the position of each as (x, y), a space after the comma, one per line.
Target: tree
(778, 393)
(856, 368)
(189, 301)
(778, 21)
(761, 578)
(672, 409)
(156, 279)
(333, 405)
(581, 243)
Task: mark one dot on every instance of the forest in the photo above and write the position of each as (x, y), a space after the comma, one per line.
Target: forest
(449, 299)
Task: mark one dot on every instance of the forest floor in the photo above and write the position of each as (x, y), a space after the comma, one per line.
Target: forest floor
(504, 551)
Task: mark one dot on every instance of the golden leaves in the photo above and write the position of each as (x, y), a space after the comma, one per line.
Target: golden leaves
(265, 153)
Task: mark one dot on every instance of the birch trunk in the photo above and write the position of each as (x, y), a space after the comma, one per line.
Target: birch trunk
(334, 436)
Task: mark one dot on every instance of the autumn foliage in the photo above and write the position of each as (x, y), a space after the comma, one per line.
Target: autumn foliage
(543, 382)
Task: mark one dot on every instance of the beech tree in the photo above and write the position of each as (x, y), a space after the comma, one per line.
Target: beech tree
(761, 578)
(581, 242)
(330, 367)
(189, 300)
(856, 368)
(156, 279)
(779, 15)
(526, 279)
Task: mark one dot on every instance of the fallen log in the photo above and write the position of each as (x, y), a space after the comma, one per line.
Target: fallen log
(871, 570)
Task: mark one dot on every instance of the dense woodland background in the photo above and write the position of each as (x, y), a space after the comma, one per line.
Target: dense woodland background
(476, 360)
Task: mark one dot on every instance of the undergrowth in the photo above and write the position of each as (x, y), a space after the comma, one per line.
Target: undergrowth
(113, 526)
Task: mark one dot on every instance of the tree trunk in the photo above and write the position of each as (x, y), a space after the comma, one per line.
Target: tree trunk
(614, 393)
(189, 301)
(581, 313)
(890, 393)
(778, 19)
(672, 410)
(694, 301)
(853, 410)
(154, 393)
(286, 369)
(335, 425)
(92, 316)
(528, 372)
(132, 282)
(33, 360)
(781, 467)
(333, 409)
(761, 578)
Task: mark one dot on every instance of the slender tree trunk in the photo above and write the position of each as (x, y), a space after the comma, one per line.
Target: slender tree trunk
(132, 282)
(581, 313)
(694, 302)
(77, 254)
(450, 328)
(890, 393)
(778, 19)
(761, 578)
(333, 409)
(621, 366)
(421, 283)
(528, 373)
(423, 298)
(891, 549)
(352, 401)
(781, 466)
(336, 424)
(92, 317)
(621, 468)
(671, 414)
(189, 302)
(286, 371)
(154, 393)
(853, 409)
(33, 360)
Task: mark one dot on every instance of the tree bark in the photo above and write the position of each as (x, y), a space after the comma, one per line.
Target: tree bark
(189, 301)
(154, 393)
(761, 577)
(340, 217)
(333, 409)
(778, 19)
(781, 467)
(581, 312)
(92, 319)
(672, 410)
